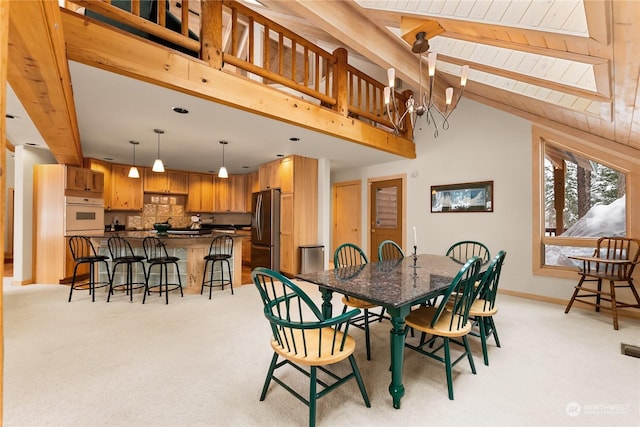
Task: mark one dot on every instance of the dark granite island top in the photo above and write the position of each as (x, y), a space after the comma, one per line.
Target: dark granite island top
(190, 249)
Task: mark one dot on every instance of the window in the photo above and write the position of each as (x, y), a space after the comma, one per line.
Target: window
(580, 193)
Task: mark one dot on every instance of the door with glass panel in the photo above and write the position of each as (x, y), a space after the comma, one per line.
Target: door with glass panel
(386, 214)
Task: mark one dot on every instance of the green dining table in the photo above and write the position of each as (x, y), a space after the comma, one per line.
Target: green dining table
(396, 285)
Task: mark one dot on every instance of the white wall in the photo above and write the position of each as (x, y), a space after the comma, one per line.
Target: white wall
(9, 183)
(482, 144)
(25, 158)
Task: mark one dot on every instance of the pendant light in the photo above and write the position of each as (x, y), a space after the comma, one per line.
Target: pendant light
(222, 173)
(158, 166)
(133, 172)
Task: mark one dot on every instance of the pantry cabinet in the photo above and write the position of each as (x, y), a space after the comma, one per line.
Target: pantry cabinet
(229, 194)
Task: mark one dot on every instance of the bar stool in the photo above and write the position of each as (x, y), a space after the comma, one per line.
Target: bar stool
(220, 251)
(83, 252)
(156, 254)
(122, 254)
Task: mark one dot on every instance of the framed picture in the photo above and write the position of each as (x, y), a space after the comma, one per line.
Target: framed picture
(466, 197)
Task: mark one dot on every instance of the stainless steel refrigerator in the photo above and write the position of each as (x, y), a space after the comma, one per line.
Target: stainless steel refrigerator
(265, 229)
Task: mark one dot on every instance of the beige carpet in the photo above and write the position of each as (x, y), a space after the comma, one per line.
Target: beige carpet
(200, 362)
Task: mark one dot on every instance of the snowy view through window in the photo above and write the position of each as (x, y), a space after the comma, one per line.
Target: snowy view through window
(604, 193)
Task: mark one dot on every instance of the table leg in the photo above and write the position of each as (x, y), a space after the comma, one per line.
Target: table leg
(327, 308)
(396, 388)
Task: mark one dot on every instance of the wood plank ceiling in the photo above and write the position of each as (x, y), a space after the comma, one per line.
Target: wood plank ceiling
(569, 64)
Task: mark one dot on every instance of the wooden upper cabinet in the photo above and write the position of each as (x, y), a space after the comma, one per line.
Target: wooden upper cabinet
(229, 194)
(126, 193)
(170, 182)
(269, 175)
(105, 168)
(200, 198)
(286, 174)
(237, 200)
(252, 185)
(83, 182)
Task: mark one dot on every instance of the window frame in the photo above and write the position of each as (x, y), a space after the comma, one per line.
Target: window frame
(611, 154)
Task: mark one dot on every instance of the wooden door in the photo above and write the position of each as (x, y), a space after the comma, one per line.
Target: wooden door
(386, 215)
(346, 214)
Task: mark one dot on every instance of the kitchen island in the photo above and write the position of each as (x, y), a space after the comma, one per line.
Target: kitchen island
(190, 249)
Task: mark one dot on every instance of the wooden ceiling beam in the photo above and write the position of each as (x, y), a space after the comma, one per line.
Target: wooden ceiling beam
(167, 68)
(38, 73)
(572, 90)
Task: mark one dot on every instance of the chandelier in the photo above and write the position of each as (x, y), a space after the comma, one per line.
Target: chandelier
(424, 104)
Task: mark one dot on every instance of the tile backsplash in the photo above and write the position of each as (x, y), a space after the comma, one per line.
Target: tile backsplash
(157, 208)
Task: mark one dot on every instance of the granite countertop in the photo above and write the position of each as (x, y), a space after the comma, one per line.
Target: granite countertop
(141, 234)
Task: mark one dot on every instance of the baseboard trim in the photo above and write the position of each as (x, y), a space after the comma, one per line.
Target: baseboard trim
(622, 312)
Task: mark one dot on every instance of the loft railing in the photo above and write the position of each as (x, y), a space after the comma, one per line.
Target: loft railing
(234, 38)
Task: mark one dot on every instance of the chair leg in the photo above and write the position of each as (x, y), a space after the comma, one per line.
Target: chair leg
(598, 295)
(465, 340)
(179, 279)
(267, 381)
(204, 275)
(483, 340)
(312, 396)
(213, 265)
(356, 372)
(366, 333)
(92, 283)
(73, 281)
(575, 293)
(614, 304)
(230, 277)
(494, 331)
(447, 363)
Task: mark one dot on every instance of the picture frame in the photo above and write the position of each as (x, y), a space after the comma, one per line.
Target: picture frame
(464, 197)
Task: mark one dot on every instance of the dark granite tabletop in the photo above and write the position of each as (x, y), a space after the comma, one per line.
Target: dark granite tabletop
(392, 283)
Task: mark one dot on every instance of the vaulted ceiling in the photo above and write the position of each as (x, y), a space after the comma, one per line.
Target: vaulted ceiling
(567, 64)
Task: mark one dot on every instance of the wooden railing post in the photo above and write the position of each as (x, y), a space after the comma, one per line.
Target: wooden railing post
(211, 33)
(340, 81)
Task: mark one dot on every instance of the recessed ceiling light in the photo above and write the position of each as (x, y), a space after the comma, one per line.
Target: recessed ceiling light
(180, 110)
(279, 155)
(245, 167)
(31, 144)
(11, 116)
(294, 139)
(108, 158)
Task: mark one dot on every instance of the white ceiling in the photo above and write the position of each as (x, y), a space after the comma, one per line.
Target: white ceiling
(113, 110)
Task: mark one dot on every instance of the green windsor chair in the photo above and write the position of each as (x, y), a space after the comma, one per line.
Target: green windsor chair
(305, 340)
(466, 249)
(389, 250)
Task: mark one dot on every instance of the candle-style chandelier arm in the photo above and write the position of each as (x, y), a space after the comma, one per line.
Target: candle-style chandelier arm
(424, 104)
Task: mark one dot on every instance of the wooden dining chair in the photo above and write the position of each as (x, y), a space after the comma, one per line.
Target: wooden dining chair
(484, 306)
(449, 324)
(304, 339)
(466, 249)
(389, 250)
(613, 261)
(350, 255)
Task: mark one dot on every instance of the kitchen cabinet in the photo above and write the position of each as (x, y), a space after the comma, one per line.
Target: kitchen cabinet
(200, 197)
(252, 185)
(298, 210)
(167, 182)
(83, 182)
(269, 175)
(105, 169)
(229, 194)
(126, 193)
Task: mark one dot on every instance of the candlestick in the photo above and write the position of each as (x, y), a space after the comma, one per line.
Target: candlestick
(415, 237)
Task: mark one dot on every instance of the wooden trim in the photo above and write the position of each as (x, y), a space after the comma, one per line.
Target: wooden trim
(562, 302)
(162, 66)
(38, 70)
(4, 59)
(106, 9)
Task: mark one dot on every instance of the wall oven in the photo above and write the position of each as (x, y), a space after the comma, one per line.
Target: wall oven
(83, 215)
